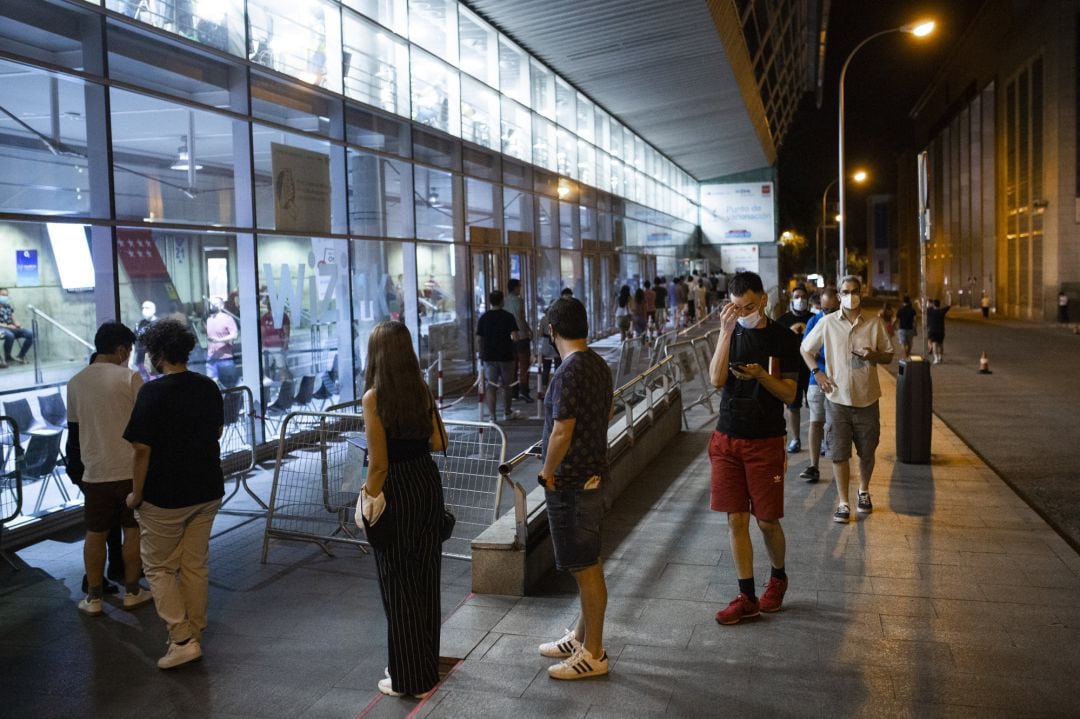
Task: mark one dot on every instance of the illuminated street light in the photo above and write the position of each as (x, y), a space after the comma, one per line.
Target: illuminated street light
(918, 29)
(859, 176)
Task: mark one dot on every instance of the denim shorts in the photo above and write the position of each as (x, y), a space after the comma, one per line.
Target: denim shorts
(574, 515)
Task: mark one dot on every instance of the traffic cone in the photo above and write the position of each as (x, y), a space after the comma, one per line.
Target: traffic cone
(984, 364)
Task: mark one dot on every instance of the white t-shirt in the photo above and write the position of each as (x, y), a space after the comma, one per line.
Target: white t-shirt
(100, 399)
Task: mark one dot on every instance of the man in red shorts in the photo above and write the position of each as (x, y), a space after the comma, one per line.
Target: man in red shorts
(756, 362)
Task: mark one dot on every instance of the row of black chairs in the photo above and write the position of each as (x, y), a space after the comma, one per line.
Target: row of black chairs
(41, 441)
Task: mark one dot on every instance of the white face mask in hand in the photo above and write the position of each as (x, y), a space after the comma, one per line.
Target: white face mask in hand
(850, 302)
(749, 322)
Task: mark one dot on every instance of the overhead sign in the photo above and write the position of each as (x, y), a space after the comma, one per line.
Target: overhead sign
(738, 213)
(739, 258)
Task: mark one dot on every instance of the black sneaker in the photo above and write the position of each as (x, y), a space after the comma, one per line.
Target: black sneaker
(810, 474)
(864, 505)
(842, 515)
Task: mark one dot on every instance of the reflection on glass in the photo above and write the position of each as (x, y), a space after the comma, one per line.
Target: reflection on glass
(434, 198)
(585, 118)
(565, 104)
(586, 162)
(566, 156)
(173, 163)
(301, 38)
(433, 26)
(379, 289)
(544, 141)
(282, 161)
(435, 93)
(217, 23)
(388, 13)
(543, 90)
(376, 132)
(443, 308)
(603, 125)
(479, 113)
(568, 237)
(376, 66)
(514, 71)
(380, 200)
(516, 130)
(518, 217)
(481, 218)
(548, 221)
(479, 48)
(30, 149)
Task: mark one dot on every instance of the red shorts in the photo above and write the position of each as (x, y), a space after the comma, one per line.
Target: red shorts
(748, 475)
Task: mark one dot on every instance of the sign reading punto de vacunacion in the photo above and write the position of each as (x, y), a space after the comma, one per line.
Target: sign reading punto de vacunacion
(739, 213)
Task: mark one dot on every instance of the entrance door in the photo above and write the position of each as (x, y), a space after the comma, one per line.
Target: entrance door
(487, 275)
(519, 267)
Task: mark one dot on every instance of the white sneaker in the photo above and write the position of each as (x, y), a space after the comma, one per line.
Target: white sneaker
(180, 654)
(139, 598)
(90, 607)
(580, 665)
(386, 686)
(562, 647)
(512, 415)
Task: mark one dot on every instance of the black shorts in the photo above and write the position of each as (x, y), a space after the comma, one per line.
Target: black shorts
(105, 505)
(574, 514)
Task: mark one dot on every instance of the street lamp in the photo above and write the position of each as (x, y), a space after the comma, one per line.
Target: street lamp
(859, 176)
(918, 29)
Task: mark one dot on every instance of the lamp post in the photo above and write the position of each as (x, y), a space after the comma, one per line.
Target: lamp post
(859, 177)
(918, 29)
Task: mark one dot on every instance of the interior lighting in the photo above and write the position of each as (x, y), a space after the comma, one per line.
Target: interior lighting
(183, 157)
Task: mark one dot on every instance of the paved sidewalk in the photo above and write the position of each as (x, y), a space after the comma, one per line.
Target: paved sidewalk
(952, 599)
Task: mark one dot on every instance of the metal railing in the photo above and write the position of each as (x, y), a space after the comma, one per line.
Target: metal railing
(11, 491)
(321, 466)
(35, 313)
(238, 445)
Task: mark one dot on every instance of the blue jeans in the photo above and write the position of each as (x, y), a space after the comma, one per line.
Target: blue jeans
(9, 341)
(574, 515)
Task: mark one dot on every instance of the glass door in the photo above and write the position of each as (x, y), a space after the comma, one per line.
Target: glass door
(487, 275)
(593, 292)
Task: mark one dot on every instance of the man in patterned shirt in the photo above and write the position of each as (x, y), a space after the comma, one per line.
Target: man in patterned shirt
(577, 409)
(10, 330)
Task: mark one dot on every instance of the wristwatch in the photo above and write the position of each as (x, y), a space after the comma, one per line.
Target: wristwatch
(540, 480)
(815, 370)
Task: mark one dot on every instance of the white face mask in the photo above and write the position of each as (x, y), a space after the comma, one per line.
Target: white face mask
(750, 322)
(798, 304)
(850, 302)
(147, 313)
(815, 310)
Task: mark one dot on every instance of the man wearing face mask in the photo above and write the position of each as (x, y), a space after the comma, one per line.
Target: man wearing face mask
(815, 398)
(221, 332)
(795, 319)
(11, 330)
(149, 316)
(854, 345)
(756, 362)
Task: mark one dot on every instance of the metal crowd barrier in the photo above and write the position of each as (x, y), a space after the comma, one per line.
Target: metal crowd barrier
(11, 491)
(238, 445)
(320, 468)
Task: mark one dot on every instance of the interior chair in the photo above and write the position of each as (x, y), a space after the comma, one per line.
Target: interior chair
(306, 393)
(28, 424)
(281, 405)
(39, 462)
(53, 410)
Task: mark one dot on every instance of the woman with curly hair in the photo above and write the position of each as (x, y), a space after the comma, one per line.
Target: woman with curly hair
(404, 488)
(177, 484)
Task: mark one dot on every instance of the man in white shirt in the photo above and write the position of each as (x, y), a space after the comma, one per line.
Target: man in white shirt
(100, 400)
(854, 345)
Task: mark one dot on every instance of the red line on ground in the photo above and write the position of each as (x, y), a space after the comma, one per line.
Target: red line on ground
(370, 706)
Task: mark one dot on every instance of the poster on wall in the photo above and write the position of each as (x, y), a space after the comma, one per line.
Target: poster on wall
(739, 258)
(301, 189)
(26, 268)
(738, 213)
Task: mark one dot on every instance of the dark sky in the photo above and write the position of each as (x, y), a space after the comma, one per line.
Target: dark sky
(884, 82)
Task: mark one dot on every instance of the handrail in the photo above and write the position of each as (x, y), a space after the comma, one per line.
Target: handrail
(521, 519)
(642, 376)
(60, 327)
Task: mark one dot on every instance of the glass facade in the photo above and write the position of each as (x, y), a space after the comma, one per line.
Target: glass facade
(301, 169)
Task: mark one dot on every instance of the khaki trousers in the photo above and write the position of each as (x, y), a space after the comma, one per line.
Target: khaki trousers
(175, 547)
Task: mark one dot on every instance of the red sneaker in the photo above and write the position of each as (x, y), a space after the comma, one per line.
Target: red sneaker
(774, 595)
(741, 607)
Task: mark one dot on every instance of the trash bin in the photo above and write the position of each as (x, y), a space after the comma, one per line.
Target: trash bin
(914, 412)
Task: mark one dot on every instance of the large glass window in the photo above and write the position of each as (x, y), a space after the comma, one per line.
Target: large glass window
(217, 23)
(565, 104)
(433, 26)
(435, 93)
(516, 130)
(586, 162)
(479, 113)
(585, 118)
(518, 218)
(305, 109)
(547, 221)
(568, 235)
(376, 132)
(443, 307)
(171, 162)
(514, 71)
(376, 65)
(42, 142)
(543, 90)
(301, 38)
(380, 197)
(304, 315)
(481, 218)
(479, 48)
(544, 142)
(434, 195)
(388, 13)
(380, 290)
(566, 157)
